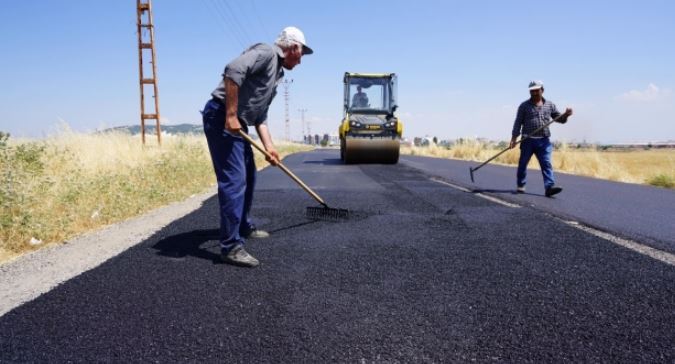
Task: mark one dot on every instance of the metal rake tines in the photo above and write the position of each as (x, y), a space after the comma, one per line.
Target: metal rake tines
(327, 213)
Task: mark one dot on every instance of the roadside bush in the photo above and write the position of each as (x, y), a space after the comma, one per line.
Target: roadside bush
(662, 180)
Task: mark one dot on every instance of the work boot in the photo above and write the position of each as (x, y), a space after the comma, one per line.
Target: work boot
(520, 189)
(239, 256)
(553, 190)
(257, 234)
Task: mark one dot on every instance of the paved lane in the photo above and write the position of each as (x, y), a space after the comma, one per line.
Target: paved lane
(642, 213)
(421, 273)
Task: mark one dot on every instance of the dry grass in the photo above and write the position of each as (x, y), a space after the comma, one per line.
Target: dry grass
(655, 167)
(56, 188)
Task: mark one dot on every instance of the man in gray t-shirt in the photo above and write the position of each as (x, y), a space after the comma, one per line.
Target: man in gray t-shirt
(240, 101)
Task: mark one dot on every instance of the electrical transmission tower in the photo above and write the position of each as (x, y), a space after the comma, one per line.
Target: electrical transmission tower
(309, 126)
(302, 118)
(146, 42)
(287, 126)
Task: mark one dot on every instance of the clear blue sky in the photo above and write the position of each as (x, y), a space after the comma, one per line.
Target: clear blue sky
(463, 66)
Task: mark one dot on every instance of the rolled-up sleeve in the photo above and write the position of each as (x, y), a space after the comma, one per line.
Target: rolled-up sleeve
(250, 62)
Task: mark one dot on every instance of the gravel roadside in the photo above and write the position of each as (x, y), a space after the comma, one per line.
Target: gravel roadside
(31, 275)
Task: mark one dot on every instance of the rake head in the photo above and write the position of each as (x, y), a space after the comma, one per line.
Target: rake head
(471, 173)
(327, 213)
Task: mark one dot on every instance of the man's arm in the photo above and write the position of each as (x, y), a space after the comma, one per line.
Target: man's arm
(555, 113)
(517, 125)
(266, 138)
(232, 123)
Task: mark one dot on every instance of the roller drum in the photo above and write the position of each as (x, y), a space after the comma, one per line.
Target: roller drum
(371, 150)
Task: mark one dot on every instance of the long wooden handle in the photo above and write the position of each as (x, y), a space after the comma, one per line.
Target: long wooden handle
(283, 168)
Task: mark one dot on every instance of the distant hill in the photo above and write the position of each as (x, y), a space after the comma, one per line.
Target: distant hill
(166, 129)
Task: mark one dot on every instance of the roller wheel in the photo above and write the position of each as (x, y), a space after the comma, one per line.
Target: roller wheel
(342, 149)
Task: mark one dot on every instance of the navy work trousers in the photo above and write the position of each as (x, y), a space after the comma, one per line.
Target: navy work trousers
(542, 148)
(234, 165)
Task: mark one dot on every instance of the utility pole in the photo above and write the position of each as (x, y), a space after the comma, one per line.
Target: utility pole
(287, 127)
(147, 42)
(302, 117)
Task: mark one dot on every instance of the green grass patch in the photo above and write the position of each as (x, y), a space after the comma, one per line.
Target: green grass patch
(662, 180)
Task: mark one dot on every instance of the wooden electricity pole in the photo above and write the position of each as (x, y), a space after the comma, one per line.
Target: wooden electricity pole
(146, 41)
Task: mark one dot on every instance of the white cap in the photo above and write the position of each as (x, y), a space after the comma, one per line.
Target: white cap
(294, 34)
(536, 85)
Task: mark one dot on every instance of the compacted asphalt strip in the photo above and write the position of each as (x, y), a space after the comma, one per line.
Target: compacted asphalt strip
(642, 213)
(419, 273)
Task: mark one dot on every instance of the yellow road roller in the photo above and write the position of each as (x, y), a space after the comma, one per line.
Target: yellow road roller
(370, 132)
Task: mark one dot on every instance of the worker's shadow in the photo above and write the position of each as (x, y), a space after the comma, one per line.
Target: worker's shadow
(510, 192)
(191, 244)
(204, 244)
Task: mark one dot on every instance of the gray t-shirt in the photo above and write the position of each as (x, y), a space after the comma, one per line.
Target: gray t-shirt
(257, 71)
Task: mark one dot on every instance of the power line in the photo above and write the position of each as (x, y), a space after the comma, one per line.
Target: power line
(218, 17)
(230, 20)
(236, 22)
(228, 16)
(262, 24)
(227, 23)
(247, 20)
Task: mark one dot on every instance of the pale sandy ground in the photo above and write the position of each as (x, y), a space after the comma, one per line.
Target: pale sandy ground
(31, 275)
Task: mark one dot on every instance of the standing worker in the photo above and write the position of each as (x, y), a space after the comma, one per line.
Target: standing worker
(532, 114)
(242, 99)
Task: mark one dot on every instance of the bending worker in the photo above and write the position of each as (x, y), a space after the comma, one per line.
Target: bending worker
(242, 99)
(531, 115)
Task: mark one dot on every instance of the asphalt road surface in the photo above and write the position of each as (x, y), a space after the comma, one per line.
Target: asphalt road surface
(639, 212)
(421, 272)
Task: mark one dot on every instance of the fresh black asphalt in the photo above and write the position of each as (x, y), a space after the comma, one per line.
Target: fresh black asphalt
(639, 212)
(420, 273)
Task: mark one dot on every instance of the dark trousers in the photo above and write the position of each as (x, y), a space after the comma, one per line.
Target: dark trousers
(234, 165)
(542, 149)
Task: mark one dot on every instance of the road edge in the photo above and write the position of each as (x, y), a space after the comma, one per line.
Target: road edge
(31, 275)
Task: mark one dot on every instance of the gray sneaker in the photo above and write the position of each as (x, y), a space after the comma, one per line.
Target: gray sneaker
(239, 256)
(257, 234)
